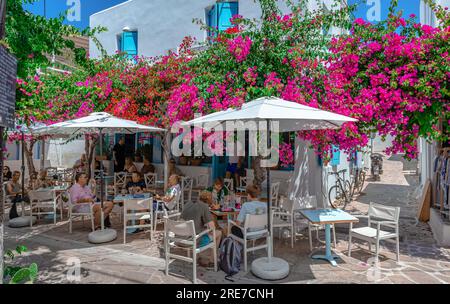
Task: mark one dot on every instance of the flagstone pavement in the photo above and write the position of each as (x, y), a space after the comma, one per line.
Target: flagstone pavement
(141, 260)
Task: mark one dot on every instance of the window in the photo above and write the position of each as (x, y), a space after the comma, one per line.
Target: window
(219, 16)
(128, 43)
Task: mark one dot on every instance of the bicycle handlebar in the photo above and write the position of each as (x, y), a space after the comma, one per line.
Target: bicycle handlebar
(337, 173)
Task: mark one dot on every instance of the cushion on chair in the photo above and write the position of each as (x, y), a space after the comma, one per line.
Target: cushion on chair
(372, 232)
(277, 269)
(20, 222)
(102, 236)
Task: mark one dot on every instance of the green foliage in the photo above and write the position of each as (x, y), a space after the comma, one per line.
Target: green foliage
(19, 274)
(32, 39)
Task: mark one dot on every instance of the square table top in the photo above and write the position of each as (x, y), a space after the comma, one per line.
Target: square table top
(328, 216)
(224, 213)
(121, 197)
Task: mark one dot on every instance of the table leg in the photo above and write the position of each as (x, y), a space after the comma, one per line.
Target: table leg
(328, 254)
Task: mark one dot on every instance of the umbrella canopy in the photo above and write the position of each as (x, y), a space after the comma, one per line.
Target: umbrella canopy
(290, 115)
(95, 122)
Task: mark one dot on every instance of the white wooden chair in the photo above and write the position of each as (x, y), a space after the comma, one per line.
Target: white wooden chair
(201, 182)
(283, 217)
(120, 180)
(74, 214)
(378, 216)
(136, 210)
(229, 184)
(182, 234)
(161, 211)
(40, 200)
(274, 194)
(7, 200)
(243, 183)
(150, 181)
(186, 189)
(311, 203)
(255, 227)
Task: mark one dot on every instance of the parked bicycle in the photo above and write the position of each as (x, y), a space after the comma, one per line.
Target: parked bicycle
(359, 177)
(340, 194)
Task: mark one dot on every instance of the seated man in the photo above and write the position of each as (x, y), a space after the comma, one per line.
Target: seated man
(198, 211)
(172, 194)
(252, 206)
(14, 190)
(80, 193)
(136, 185)
(218, 191)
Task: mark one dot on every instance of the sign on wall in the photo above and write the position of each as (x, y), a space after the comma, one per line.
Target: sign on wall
(377, 10)
(8, 74)
(78, 11)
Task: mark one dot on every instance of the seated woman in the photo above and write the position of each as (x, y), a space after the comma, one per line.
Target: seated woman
(252, 206)
(129, 167)
(172, 194)
(136, 185)
(7, 174)
(148, 167)
(218, 191)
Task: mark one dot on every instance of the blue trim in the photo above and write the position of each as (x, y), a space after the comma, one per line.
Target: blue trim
(129, 44)
(336, 160)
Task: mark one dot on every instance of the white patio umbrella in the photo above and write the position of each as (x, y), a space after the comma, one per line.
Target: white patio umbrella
(290, 116)
(102, 123)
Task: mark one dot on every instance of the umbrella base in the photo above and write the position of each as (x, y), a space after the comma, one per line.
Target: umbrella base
(270, 269)
(102, 236)
(20, 222)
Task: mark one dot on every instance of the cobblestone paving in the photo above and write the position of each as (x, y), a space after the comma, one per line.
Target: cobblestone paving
(141, 259)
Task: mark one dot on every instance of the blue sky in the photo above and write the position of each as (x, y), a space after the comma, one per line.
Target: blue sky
(377, 10)
(81, 9)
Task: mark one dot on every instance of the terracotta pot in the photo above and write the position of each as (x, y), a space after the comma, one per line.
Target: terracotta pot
(183, 160)
(196, 162)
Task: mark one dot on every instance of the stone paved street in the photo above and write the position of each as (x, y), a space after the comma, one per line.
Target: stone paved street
(141, 260)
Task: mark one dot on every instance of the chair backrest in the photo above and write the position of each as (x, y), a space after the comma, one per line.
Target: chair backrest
(97, 174)
(51, 171)
(138, 205)
(202, 181)
(180, 228)
(42, 195)
(150, 180)
(274, 191)
(186, 185)
(381, 212)
(229, 183)
(255, 221)
(120, 179)
(287, 204)
(244, 182)
(306, 202)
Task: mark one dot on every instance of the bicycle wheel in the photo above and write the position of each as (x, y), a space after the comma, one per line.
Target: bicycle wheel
(362, 179)
(337, 198)
(349, 189)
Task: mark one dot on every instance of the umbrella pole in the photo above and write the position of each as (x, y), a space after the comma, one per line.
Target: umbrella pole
(101, 181)
(269, 201)
(23, 165)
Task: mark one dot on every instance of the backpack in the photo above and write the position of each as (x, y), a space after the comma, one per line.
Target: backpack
(230, 257)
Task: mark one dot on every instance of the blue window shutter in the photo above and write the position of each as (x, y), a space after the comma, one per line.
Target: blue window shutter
(130, 43)
(336, 160)
(212, 19)
(226, 10)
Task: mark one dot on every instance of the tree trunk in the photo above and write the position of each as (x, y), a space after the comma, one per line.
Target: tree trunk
(165, 144)
(2, 210)
(29, 156)
(259, 173)
(90, 145)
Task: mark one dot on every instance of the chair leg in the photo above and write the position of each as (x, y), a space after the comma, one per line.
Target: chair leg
(167, 251)
(377, 249)
(194, 262)
(398, 248)
(370, 246)
(215, 256)
(54, 214)
(245, 255)
(70, 224)
(310, 238)
(124, 231)
(350, 244)
(292, 236)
